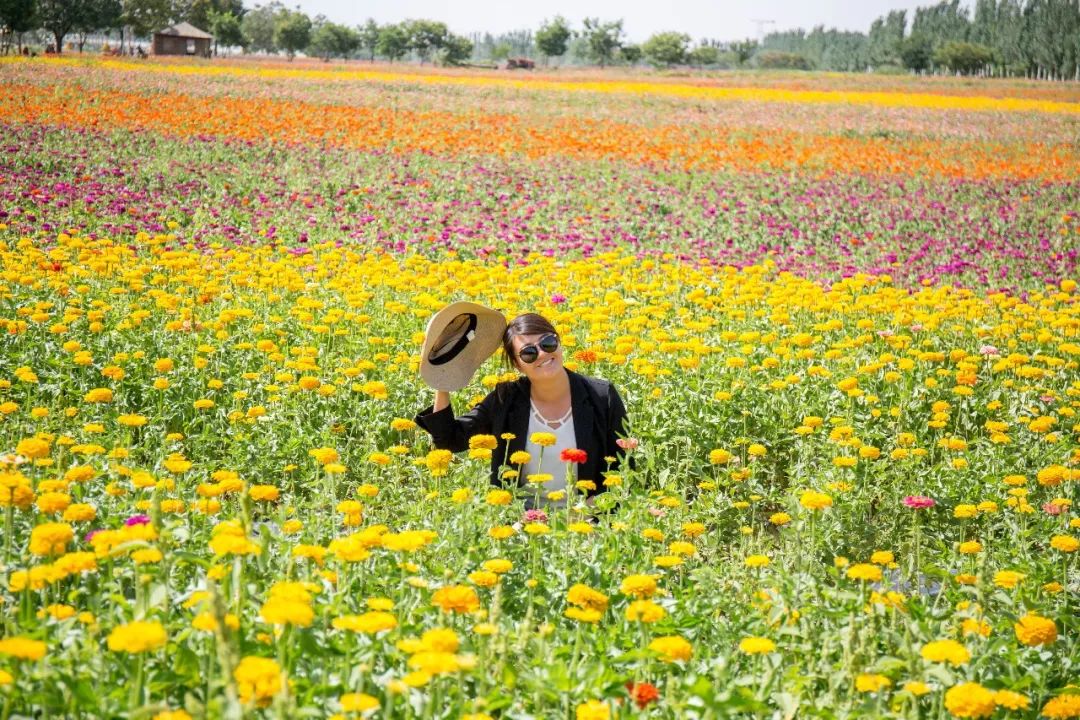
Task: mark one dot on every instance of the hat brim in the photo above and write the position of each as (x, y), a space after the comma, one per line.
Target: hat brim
(448, 361)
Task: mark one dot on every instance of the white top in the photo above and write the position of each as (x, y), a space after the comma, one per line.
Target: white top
(552, 465)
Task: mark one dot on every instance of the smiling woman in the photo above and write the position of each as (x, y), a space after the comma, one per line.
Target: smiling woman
(538, 418)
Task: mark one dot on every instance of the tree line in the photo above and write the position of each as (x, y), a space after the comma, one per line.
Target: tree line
(1004, 38)
(1033, 38)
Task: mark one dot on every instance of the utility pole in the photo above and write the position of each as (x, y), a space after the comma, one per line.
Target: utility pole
(761, 28)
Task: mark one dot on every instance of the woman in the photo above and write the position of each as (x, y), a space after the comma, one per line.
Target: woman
(581, 412)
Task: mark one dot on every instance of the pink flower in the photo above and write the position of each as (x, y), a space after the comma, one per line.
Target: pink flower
(1052, 508)
(989, 350)
(627, 443)
(532, 516)
(558, 299)
(657, 512)
(918, 502)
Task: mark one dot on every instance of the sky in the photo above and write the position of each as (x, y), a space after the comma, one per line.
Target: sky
(714, 19)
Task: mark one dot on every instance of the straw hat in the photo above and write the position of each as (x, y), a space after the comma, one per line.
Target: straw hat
(459, 338)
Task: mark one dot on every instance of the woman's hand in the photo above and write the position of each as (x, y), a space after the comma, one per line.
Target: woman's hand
(442, 400)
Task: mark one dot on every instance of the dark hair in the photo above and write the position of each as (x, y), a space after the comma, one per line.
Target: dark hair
(527, 324)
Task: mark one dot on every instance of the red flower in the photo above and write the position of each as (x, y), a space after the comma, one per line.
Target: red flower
(642, 693)
(573, 455)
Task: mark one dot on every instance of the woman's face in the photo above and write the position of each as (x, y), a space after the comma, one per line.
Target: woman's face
(547, 364)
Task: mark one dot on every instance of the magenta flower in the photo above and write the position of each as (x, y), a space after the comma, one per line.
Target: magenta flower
(137, 520)
(558, 299)
(535, 516)
(918, 502)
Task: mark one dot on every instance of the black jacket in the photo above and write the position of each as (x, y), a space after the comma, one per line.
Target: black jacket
(599, 420)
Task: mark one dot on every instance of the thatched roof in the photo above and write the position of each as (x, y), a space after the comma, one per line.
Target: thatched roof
(185, 30)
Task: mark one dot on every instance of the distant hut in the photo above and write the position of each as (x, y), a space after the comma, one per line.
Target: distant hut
(182, 39)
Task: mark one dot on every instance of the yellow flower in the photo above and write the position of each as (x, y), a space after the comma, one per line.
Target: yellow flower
(520, 457)
(1066, 705)
(1011, 700)
(1065, 543)
(50, 538)
(645, 611)
(498, 565)
(948, 651)
(970, 547)
(969, 700)
(543, 439)
(456, 598)
(780, 519)
(258, 680)
(98, 395)
(483, 578)
(638, 586)
(882, 557)
(757, 561)
(672, 648)
(813, 500)
(583, 614)
(1033, 630)
(720, 456)
(264, 493)
(358, 702)
(287, 611)
(32, 448)
(1008, 579)
(368, 623)
(756, 645)
(593, 710)
(22, 648)
(585, 597)
(916, 688)
(137, 637)
(871, 683)
(865, 572)
(483, 442)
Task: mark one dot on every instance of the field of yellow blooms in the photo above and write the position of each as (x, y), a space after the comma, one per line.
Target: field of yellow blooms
(843, 313)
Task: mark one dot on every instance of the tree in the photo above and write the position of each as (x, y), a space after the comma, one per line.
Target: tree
(368, 34)
(60, 17)
(226, 29)
(456, 50)
(393, 42)
(98, 15)
(18, 16)
(258, 27)
(552, 37)
(425, 37)
(630, 54)
(916, 52)
(666, 48)
(773, 60)
(886, 34)
(703, 55)
(743, 50)
(332, 40)
(292, 31)
(603, 38)
(963, 57)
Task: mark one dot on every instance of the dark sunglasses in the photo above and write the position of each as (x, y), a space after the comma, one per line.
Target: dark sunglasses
(549, 344)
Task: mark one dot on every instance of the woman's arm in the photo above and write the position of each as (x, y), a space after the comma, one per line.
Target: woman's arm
(453, 433)
(442, 400)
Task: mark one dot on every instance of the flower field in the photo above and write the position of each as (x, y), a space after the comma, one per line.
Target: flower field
(843, 313)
